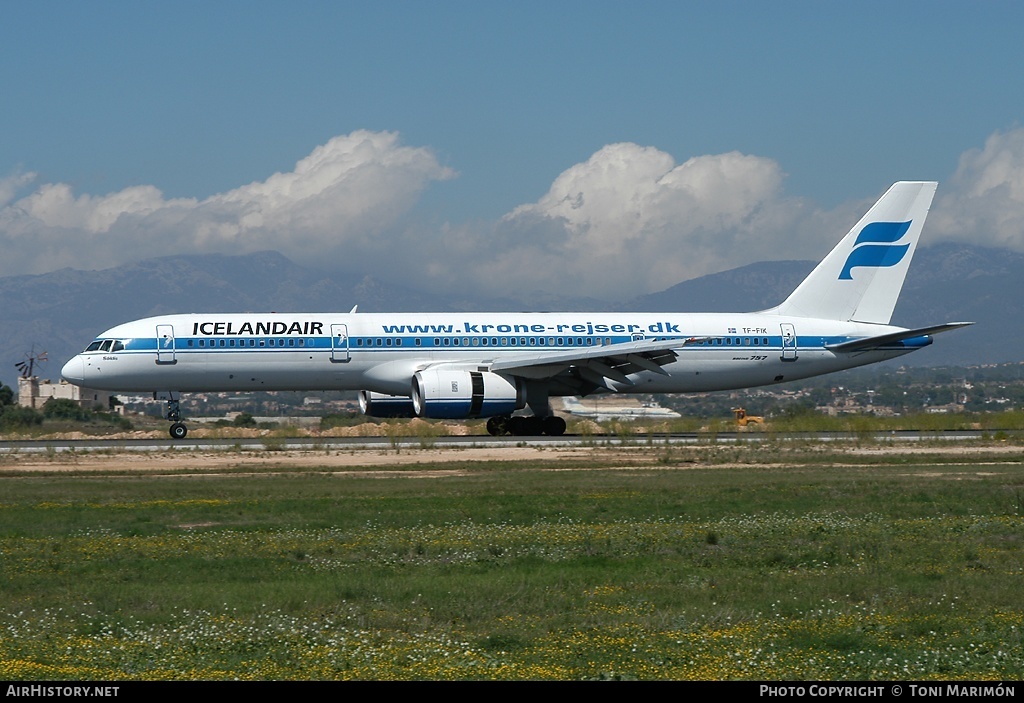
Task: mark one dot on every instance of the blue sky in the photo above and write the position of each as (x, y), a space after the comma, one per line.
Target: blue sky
(145, 128)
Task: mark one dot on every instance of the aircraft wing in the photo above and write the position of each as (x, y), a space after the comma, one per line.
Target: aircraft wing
(594, 366)
(884, 340)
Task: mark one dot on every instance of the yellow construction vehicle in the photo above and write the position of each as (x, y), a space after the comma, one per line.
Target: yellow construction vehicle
(742, 419)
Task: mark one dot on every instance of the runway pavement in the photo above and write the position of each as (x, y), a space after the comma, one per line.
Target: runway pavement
(339, 443)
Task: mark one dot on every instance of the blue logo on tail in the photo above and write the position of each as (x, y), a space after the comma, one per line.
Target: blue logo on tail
(879, 248)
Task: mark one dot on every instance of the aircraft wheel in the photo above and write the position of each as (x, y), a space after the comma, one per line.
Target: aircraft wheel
(554, 426)
(497, 426)
(516, 425)
(532, 426)
(178, 430)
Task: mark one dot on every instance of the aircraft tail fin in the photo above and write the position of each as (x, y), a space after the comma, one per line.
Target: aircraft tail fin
(861, 278)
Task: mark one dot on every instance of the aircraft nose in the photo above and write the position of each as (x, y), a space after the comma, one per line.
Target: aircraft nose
(74, 371)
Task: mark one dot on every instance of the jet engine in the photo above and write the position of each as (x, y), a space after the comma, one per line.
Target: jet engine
(384, 405)
(453, 394)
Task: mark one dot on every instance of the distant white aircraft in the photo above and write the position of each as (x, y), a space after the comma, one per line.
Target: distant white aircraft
(473, 365)
(604, 412)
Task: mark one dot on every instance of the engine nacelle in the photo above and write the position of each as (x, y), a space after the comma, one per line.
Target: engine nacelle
(384, 405)
(455, 395)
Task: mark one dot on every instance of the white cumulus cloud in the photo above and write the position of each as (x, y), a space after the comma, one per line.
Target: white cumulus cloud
(337, 203)
(983, 203)
(10, 185)
(630, 220)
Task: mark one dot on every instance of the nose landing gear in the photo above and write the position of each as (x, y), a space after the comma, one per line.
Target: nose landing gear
(177, 429)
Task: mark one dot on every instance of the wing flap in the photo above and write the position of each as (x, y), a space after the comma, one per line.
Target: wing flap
(597, 364)
(646, 348)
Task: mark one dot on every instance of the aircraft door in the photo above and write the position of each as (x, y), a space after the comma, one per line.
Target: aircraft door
(339, 344)
(165, 345)
(788, 342)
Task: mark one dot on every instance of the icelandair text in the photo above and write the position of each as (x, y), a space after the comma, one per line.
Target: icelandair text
(257, 328)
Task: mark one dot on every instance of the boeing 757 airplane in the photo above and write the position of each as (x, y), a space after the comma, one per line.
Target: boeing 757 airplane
(478, 365)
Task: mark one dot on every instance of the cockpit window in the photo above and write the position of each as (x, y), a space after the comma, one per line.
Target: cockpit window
(106, 345)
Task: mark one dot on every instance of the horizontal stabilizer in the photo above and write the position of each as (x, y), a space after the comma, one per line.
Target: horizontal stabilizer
(885, 340)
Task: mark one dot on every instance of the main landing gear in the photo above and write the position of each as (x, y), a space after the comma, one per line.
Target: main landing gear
(543, 421)
(520, 426)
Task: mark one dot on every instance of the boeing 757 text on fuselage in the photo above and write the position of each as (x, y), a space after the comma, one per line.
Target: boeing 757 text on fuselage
(493, 365)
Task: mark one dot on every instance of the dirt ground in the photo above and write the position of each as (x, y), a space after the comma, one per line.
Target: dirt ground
(329, 460)
(399, 463)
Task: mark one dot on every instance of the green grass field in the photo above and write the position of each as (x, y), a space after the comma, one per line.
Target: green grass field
(756, 562)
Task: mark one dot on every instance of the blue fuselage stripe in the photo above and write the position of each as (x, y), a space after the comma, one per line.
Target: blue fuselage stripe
(462, 342)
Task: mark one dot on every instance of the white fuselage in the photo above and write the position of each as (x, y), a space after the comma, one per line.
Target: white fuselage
(455, 365)
(382, 352)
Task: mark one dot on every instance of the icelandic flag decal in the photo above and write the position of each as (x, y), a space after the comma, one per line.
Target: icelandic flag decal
(876, 247)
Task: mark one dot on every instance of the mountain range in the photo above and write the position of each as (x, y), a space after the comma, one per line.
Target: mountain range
(60, 312)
